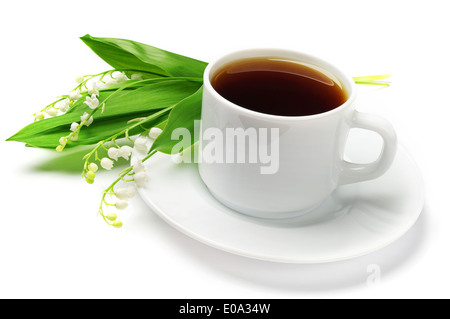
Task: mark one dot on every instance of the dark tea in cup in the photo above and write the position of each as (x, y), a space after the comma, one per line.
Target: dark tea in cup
(279, 86)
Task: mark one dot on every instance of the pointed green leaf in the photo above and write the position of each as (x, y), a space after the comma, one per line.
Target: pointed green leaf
(120, 109)
(127, 54)
(183, 115)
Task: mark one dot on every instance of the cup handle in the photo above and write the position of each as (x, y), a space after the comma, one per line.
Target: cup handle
(352, 172)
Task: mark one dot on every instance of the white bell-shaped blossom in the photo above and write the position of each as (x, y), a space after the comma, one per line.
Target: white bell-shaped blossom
(92, 101)
(125, 152)
(110, 82)
(120, 77)
(139, 167)
(74, 126)
(52, 111)
(74, 137)
(126, 192)
(113, 153)
(154, 132)
(93, 88)
(140, 179)
(74, 95)
(64, 105)
(63, 140)
(107, 163)
(140, 144)
(85, 117)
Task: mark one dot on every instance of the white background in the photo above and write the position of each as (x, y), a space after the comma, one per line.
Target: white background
(52, 244)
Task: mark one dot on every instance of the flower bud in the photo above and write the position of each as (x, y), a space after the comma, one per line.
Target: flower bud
(89, 180)
(73, 137)
(93, 167)
(39, 116)
(121, 204)
(122, 193)
(117, 224)
(111, 217)
(79, 79)
(136, 77)
(59, 148)
(90, 174)
(63, 140)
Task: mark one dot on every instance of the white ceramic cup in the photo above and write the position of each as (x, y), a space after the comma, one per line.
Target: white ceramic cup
(310, 148)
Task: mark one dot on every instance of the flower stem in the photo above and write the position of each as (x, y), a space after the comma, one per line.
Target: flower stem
(110, 190)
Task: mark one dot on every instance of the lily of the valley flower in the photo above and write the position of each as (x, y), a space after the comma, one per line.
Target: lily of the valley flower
(139, 167)
(74, 137)
(63, 140)
(127, 192)
(39, 116)
(117, 224)
(74, 95)
(110, 82)
(79, 79)
(107, 163)
(121, 204)
(111, 217)
(74, 126)
(140, 144)
(92, 101)
(85, 117)
(140, 179)
(93, 89)
(64, 105)
(125, 152)
(120, 77)
(113, 153)
(154, 132)
(52, 111)
(93, 167)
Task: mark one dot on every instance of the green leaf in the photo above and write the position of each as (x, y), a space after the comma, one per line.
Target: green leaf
(121, 107)
(183, 116)
(127, 54)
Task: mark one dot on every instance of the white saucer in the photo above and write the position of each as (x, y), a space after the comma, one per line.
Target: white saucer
(357, 219)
